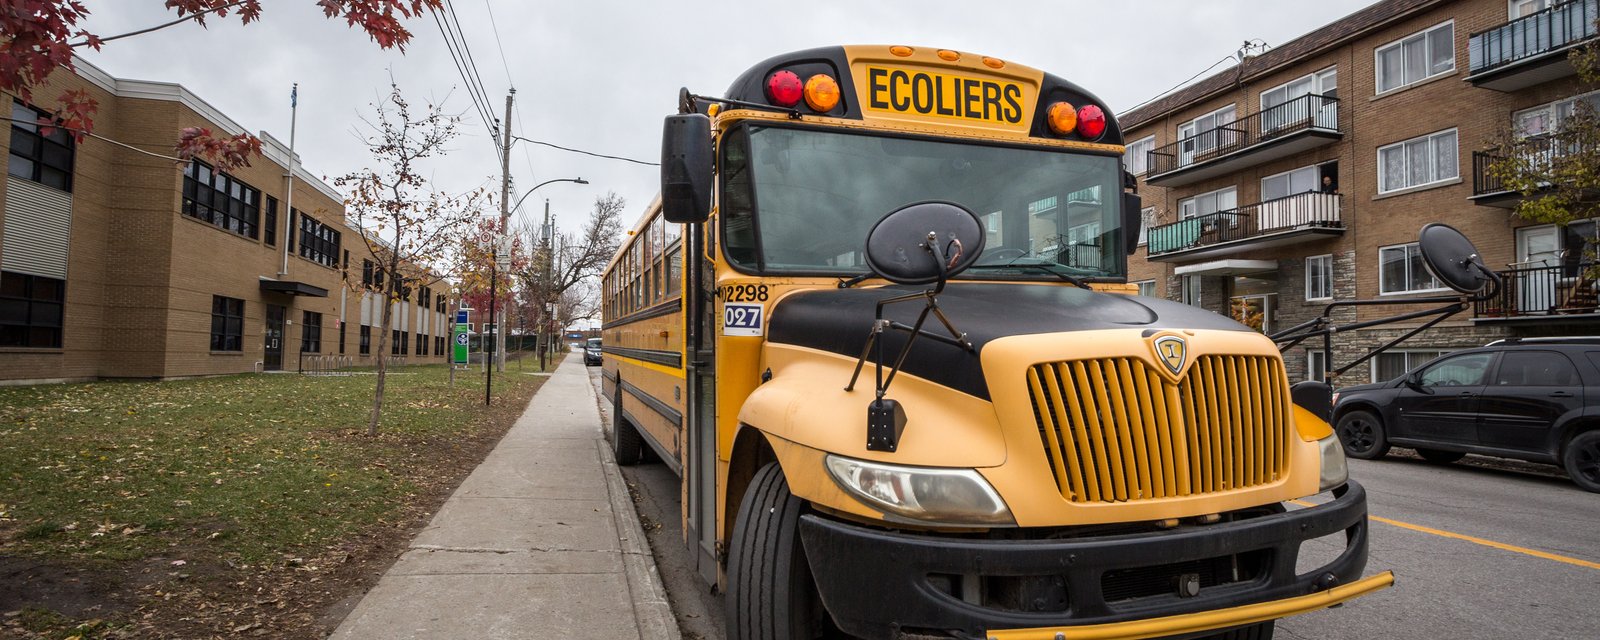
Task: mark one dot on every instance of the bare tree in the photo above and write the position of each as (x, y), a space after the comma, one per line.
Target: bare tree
(407, 224)
(573, 259)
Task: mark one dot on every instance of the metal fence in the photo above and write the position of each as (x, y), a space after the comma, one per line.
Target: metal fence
(1298, 211)
(1568, 289)
(1539, 153)
(1532, 35)
(325, 365)
(1310, 111)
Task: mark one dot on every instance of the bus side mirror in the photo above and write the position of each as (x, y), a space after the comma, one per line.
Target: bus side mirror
(686, 168)
(1132, 220)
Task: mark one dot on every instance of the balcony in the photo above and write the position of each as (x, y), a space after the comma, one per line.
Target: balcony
(1532, 49)
(1306, 122)
(1546, 152)
(1542, 295)
(1303, 217)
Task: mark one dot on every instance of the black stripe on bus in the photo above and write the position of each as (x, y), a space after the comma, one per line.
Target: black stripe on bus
(669, 358)
(654, 312)
(656, 405)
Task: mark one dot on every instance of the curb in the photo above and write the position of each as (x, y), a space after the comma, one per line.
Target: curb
(651, 608)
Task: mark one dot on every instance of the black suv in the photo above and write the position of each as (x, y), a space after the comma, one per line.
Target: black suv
(591, 352)
(1534, 399)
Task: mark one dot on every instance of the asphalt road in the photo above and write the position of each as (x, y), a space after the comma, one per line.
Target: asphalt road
(1481, 549)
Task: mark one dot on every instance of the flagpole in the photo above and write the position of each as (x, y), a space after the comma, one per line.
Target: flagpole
(288, 205)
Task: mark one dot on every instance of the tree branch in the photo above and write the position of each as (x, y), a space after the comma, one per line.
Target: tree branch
(193, 16)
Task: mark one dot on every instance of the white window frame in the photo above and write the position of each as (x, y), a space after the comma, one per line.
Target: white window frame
(1372, 365)
(1141, 284)
(1199, 291)
(1197, 141)
(1377, 59)
(1312, 356)
(1316, 183)
(1433, 156)
(1551, 113)
(1403, 292)
(1211, 194)
(1137, 155)
(1329, 270)
(1511, 8)
(1317, 87)
(1147, 218)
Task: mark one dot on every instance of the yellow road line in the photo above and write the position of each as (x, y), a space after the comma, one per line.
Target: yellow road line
(1487, 543)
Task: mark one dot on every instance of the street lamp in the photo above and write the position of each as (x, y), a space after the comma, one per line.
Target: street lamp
(494, 278)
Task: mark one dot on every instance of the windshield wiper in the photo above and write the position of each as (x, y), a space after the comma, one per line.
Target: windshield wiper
(1039, 267)
(853, 281)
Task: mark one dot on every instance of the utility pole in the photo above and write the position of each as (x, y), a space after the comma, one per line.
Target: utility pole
(494, 265)
(544, 285)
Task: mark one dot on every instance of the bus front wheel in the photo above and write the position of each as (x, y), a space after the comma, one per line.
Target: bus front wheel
(771, 595)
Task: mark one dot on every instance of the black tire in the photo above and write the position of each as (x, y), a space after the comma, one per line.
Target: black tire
(770, 594)
(1582, 460)
(1440, 456)
(626, 443)
(1362, 435)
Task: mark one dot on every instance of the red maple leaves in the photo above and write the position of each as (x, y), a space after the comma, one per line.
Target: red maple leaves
(38, 36)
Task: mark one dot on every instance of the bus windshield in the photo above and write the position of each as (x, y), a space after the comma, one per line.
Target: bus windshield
(801, 201)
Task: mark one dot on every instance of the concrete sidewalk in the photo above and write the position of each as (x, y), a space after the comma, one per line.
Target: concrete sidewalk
(541, 541)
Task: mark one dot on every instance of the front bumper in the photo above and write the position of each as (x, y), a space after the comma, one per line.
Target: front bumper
(880, 584)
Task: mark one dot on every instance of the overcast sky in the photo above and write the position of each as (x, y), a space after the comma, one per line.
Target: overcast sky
(599, 75)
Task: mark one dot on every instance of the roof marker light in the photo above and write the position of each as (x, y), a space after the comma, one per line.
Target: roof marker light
(901, 50)
(948, 55)
(993, 63)
(784, 88)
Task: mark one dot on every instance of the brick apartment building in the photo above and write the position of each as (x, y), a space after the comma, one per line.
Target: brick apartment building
(119, 264)
(1302, 175)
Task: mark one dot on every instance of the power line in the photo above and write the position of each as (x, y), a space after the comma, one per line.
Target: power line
(1180, 84)
(494, 27)
(472, 88)
(587, 153)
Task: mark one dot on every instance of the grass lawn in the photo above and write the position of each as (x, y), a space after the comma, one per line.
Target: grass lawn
(232, 476)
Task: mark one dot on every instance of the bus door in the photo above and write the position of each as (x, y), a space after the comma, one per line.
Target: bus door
(700, 499)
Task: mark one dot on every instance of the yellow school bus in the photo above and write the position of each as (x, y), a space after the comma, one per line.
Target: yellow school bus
(1063, 459)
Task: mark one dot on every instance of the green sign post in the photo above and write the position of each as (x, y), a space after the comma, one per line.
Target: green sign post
(460, 338)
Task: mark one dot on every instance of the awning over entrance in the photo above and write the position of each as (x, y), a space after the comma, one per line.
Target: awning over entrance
(293, 288)
(1227, 268)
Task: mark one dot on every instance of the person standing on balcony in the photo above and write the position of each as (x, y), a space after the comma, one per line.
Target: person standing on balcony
(1328, 185)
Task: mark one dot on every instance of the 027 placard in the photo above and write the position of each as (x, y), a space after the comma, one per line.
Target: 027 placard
(741, 320)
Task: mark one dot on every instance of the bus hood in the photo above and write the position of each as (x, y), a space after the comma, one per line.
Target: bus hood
(839, 320)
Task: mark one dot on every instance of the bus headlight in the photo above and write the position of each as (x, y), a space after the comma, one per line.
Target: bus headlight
(1335, 471)
(952, 496)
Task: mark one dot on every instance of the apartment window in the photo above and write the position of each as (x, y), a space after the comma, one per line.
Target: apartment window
(1400, 270)
(1393, 364)
(227, 324)
(46, 160)
(1147, 219)
(1137, 156)
(1418, 161)
(1147, 288)
(1416, 57)
(1322, 83)
(1253, 311)
(1191, 290)
(220, 199)
(365, 346)
(1206, 133)
(319, 243)
(30, 310)
(1551, 118)
(269, 230)
(311, 332)
(1209, 203)
(1316, 366)
(1302, 180)
(1319, 277)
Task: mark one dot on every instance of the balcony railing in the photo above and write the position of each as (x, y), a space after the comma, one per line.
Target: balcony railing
(1542, 291)
(1301, 211)
(1538, 152)
(1533, 35)
(1310, 111)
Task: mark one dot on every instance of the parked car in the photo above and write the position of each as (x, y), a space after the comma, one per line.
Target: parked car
(591, 352)
(1536, 400)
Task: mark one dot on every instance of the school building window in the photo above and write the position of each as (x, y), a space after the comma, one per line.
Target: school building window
(422, 345)
(311, 333)
(44, 159)
(30, 310)
(220, 199)
(341, 338)
(366, 340)
(227, 324)
(319, 243)
(269, 226)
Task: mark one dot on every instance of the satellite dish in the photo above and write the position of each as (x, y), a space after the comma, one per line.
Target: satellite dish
(1452, 259)
(898, 247)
